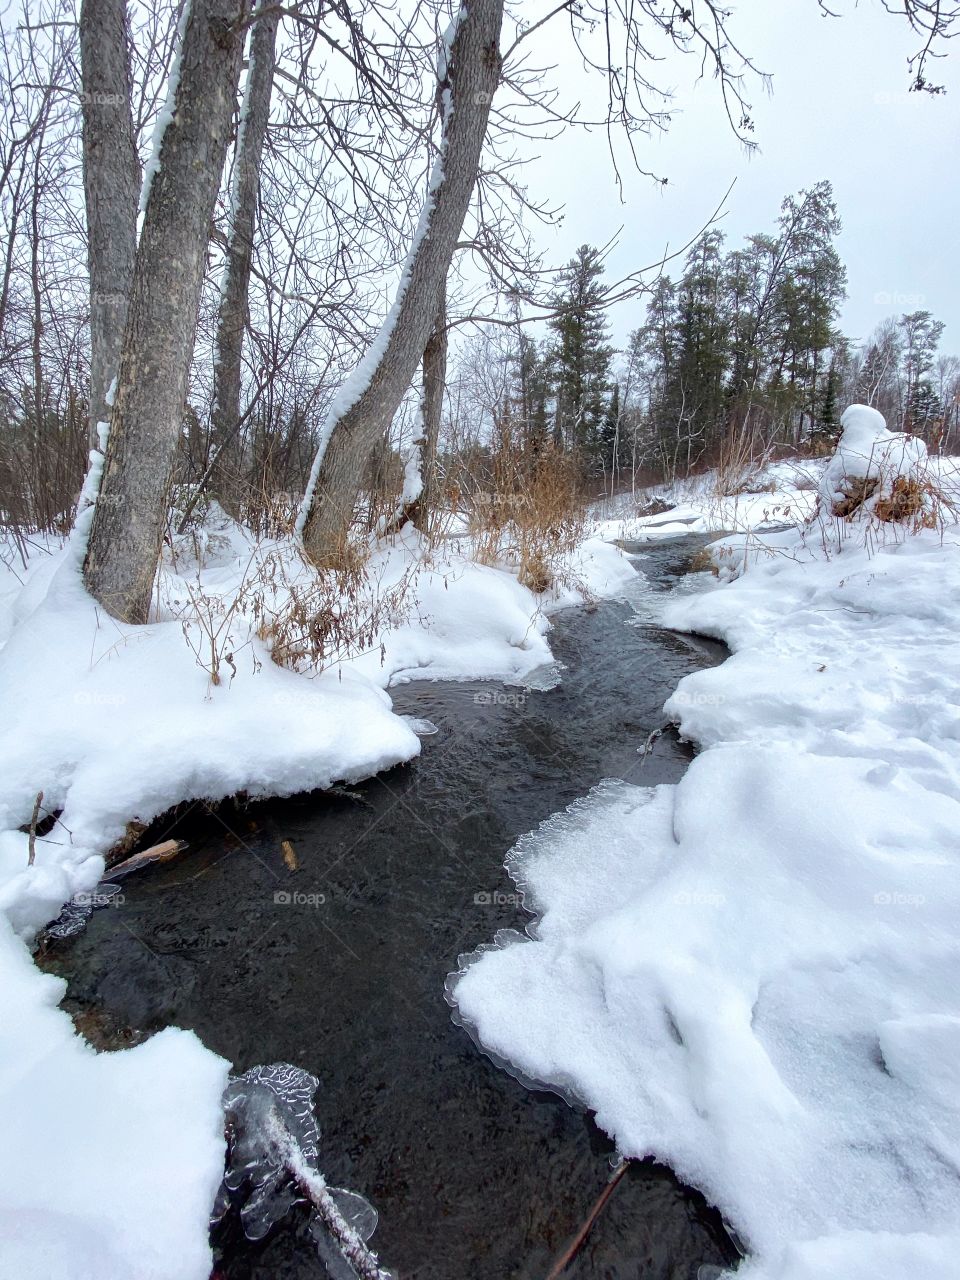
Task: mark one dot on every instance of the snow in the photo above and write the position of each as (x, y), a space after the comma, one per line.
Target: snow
(412, 475)
(165, 116)
(119, 1155)
(773, 495)
(113, 1158)
(754, 975)
(868, 452)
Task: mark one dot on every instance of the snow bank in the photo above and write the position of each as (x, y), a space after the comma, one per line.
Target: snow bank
(113, 1159)
(754, 976)
(786, 493)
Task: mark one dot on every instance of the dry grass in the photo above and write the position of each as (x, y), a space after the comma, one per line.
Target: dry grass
(910, 500)
(704, 562)
(856, 491)
(527, 510)
(907, 502)
(740, 464)
(308, 619)
(311, 619)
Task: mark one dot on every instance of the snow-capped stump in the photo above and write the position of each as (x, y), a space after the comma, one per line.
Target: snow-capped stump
(878, 474)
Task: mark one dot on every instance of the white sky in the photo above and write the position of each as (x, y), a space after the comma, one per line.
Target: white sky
(839, 110)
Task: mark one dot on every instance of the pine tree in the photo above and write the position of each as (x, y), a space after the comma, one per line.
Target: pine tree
(702, 346)
(808, 301)
(921, 337)
(581, 352)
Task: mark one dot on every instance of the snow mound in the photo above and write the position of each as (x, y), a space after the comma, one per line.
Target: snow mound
(871, 470)
(754, 976)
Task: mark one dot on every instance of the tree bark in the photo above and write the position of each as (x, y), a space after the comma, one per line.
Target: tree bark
(111, 186)
(420, 511)
(226, 480)
(365, 407)
(145, 422)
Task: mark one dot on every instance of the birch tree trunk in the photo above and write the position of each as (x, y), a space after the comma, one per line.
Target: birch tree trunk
(232, 318)
(145, 422)
(111, 187)
(365, 406)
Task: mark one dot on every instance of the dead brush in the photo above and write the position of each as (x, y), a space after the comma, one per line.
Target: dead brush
(909, 499)
(855, 491)
(704, 562)
(310, 619)
(307, 618)
(532, 515)
(740, 465)
(212, 623)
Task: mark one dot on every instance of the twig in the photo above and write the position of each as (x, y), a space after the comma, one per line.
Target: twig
(33, 829)
(162, 852)
(651, 741)
(313, 1185)
(570, 1253)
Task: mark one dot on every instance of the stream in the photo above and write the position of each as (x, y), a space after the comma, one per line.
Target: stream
(339, 965)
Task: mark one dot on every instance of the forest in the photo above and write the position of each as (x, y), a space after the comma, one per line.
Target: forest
(734, 352)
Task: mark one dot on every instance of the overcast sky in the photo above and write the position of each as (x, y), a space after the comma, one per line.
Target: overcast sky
(839, 110)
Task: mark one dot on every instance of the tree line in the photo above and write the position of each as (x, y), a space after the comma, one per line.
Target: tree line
(740, 354)
(237, 241)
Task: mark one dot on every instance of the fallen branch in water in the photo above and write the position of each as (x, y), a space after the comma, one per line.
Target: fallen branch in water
(574, 1248)
(314, 1186)
(32, 844)
(162, 852)
(651, 742)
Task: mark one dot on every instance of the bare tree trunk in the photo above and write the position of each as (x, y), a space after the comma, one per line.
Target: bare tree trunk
(145, 421)
(420, 511)
(365, 407)
(232, 317)
(111, 185)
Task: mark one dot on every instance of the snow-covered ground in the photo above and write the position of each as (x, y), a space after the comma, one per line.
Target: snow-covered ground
(118, 1155)
(776, 494)
(754, 975)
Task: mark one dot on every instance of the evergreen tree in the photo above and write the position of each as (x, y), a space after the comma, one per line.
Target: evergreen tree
(702, 347)
(808, 301)
(581, 352)
(533, 391)
(920, 338)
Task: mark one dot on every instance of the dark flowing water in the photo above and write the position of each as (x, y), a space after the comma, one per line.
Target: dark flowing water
(339, 967)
